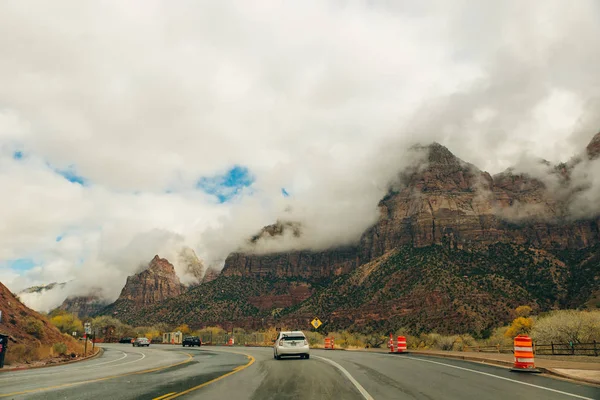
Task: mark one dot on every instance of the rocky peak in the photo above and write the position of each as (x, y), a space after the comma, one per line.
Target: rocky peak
(280, 228)
(593, 148)
(156, 283)
(440, 155)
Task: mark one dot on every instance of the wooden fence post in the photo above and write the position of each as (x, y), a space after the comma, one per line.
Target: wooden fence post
(552, 344)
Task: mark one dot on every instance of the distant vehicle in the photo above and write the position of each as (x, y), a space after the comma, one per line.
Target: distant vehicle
(293, 343)
(191, 341)
(141, 341)
(126, 340)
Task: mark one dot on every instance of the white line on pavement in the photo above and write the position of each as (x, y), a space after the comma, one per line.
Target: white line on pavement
(496, 376)
(103, 363)
(131, 362)
(358, 386)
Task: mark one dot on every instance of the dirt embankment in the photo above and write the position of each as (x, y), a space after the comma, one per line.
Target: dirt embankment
(32, 338)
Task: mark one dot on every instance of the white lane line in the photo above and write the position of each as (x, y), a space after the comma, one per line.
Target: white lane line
(134, 361)
(358, 386)
(103, 363)
(496, 376)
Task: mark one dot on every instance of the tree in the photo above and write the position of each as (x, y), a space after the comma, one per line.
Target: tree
(566, 326)
(183, 328)
(67, 323)
(520, 325)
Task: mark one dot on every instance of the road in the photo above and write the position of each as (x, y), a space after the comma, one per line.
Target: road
(168, 372)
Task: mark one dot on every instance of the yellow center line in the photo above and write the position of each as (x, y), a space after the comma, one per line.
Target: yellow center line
(99, 379)
(235, 370)
(163, 396)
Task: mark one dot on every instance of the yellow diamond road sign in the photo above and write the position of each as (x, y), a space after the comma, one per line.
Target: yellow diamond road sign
(316, 323)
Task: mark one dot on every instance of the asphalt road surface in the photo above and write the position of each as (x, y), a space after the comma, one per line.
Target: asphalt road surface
(166, 372)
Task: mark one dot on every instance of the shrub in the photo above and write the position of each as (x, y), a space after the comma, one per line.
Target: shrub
(446, 342)
(21, 353)
(568, 326)
(34, 327)
(59, 348)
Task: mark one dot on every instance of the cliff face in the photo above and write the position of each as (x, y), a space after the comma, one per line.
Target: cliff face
(83, 306)
(157, 283)
(444, 201)
(306, 264)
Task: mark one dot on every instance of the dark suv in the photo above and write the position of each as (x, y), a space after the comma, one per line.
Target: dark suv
(191, 341)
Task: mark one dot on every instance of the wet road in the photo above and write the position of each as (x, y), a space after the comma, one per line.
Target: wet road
(168, 372)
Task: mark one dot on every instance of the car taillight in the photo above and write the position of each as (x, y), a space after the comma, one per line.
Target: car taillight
(281, 342)
(305, 342)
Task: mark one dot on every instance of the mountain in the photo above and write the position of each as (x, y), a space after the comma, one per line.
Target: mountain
(455, 249)
(43, 288)
(83, 306)
(154, 284)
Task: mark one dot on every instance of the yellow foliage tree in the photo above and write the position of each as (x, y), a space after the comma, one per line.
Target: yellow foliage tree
(520, 325)
(183, 328)
(67, 323)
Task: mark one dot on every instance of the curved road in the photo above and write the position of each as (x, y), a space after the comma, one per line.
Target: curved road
(168, 372)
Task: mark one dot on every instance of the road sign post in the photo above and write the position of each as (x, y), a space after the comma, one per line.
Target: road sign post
(88, 330)
(316, 323)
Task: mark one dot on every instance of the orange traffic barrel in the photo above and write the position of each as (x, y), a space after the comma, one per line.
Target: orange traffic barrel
(524, 359)
(391, 344)
(401, 344)
(329, 343)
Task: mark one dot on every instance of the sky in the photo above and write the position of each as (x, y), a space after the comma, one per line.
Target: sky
(129, 129)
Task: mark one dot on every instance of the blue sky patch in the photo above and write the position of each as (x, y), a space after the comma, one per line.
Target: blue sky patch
(71, 175)
(59, 238)
(21, 264)
(18, 155)
(226, 186)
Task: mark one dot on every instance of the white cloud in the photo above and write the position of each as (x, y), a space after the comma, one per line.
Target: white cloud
(318, 97)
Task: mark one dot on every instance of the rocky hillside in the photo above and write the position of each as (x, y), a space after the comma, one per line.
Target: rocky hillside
(83, 306)
(455, 249)
(30, 333)
(155, 284)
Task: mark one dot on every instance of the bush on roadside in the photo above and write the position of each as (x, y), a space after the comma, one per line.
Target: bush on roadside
(567, 326)
(21, 353)
(59, 349)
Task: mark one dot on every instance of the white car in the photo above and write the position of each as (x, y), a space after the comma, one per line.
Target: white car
(141, 341)
(293, 343)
